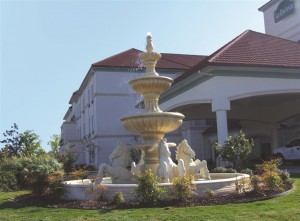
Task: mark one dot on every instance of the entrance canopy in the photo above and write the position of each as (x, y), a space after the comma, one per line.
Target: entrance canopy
(255, 77)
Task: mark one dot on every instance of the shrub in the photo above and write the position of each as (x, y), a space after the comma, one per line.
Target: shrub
(241, 185)
(268, 176)
(209, 193)
(55, 182)
(8, 181)
(256, 183)
(270, 166)
(183, 187)
(284, 175)
(83, 167)
(223, 170)
(119, 198)
(99, 191)
(77, 174)
(247, 171)
(32, 171)
(235, 149)
(273, 181)
(148, 190)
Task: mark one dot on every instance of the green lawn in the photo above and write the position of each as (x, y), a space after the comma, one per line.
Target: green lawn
(286, 207)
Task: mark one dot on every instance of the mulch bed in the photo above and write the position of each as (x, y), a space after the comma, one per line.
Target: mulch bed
(46, 201)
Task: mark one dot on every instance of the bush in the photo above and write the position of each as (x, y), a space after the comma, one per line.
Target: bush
(247, 171)
(32, 172)
(84, 167)
(55, 182)
(8, 181)
(78, 174)
(119, 198)
(223, 170)
(209, 193)
(235, 149)
(284, 175)
(148, 190)
(273, 181)
(183, 187)
(268, 177)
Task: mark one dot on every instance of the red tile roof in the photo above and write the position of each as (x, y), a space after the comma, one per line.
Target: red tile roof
(130, 59)
(252, 49)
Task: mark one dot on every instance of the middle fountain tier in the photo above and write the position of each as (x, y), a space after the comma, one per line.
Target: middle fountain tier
(153, 123)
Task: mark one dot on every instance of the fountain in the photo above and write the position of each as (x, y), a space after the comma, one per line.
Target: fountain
(152, 125)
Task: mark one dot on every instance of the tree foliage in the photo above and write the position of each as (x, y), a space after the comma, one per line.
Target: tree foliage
(20, 144)
(12, 144)
(235, 149)
(30, 144)
(54, 144)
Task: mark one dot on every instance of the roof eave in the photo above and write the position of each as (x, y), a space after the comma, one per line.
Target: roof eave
(268, 5)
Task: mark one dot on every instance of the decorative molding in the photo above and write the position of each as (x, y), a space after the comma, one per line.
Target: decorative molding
(228, 71)
(116, 94)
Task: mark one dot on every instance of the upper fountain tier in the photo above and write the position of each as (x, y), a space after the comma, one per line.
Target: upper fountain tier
(153, 124)
(151, 85)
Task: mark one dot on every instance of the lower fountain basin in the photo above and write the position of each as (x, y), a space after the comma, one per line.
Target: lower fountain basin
(153, 125)
(220, 183)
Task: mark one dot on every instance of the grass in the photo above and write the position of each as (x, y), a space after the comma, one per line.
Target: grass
(286, 207)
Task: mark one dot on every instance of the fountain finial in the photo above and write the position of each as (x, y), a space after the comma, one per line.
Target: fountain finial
(149, 46)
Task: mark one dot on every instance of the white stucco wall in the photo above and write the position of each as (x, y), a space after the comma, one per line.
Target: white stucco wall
(104, 99)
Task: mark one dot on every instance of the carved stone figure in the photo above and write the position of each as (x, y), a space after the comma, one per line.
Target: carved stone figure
(118, 168)
(167, 169)
(197, 167)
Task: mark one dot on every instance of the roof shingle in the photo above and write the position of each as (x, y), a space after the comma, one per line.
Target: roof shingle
(252, 49)
(130, 59)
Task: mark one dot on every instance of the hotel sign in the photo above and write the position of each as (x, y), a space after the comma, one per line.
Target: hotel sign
(285, 8)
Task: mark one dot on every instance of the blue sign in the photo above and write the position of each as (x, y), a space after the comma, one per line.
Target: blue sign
(285, 8)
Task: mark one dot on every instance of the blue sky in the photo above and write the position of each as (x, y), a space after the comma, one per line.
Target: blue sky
(47, 47)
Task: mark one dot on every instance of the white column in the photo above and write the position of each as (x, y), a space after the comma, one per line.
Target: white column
(220, 105)
(222, 126)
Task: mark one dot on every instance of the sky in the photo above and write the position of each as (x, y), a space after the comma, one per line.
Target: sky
(48, 46)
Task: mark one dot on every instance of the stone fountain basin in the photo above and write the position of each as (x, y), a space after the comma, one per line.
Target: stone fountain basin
(154, 84)
(221, 183)
(153, 124)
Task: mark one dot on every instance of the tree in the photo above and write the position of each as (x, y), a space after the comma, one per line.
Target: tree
(30, 144)
(54, 144)
(12, 144)
(235, 149)
(16, 144)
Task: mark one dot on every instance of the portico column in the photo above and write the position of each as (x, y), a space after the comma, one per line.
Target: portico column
(220, 106)
(222, 127)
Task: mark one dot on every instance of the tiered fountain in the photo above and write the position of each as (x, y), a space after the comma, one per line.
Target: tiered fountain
(152, 125)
